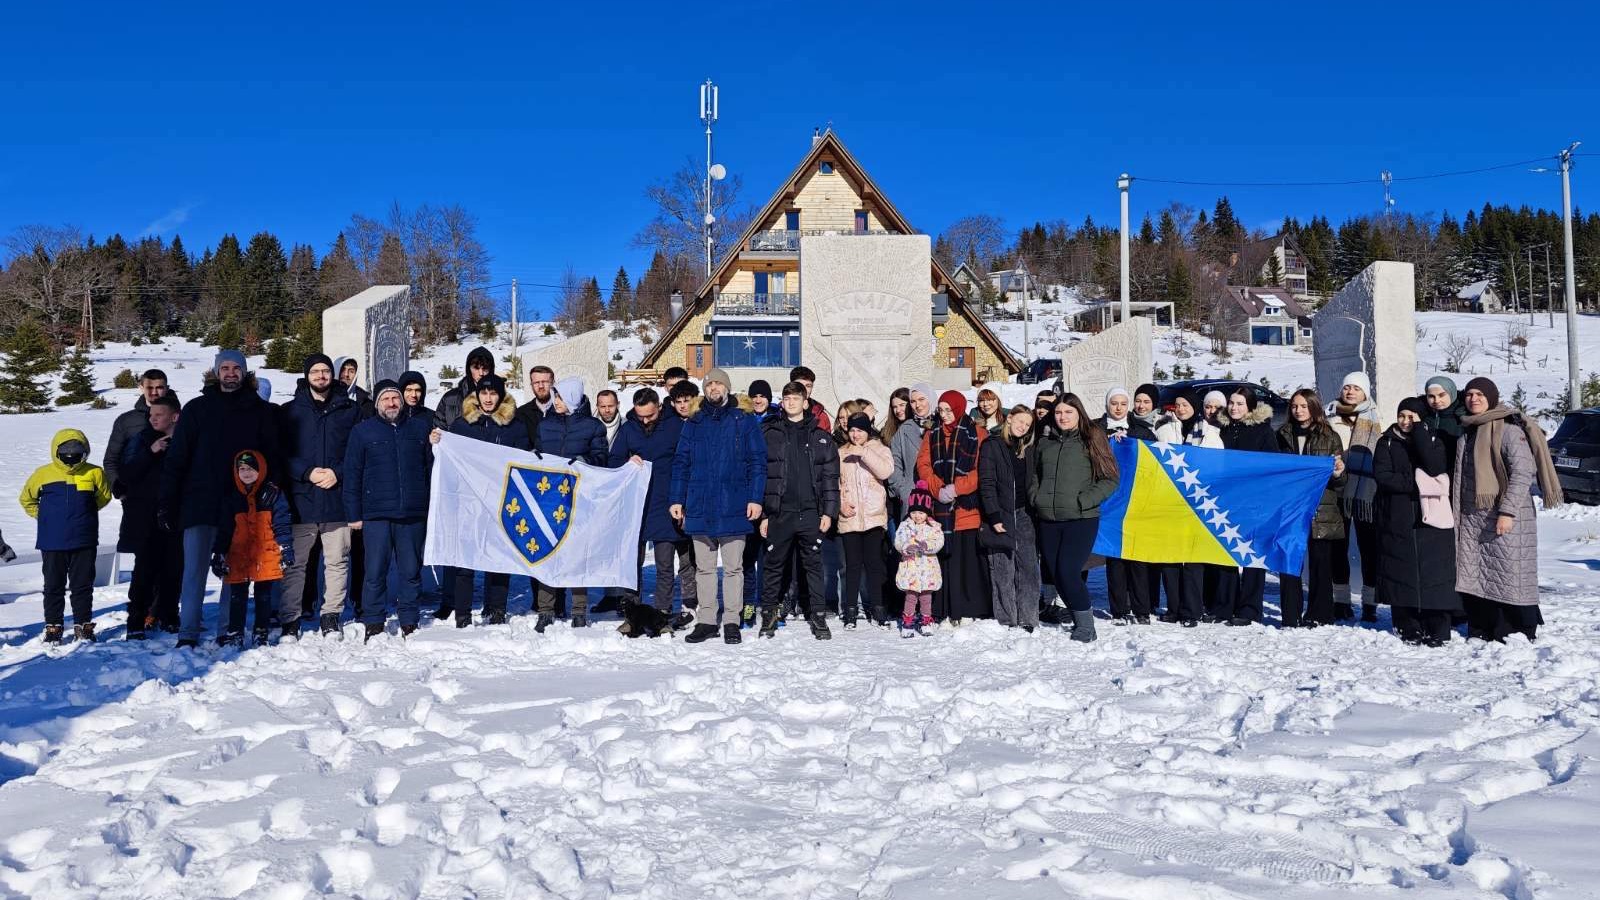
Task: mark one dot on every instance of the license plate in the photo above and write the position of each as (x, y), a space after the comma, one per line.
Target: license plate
(1567, 462)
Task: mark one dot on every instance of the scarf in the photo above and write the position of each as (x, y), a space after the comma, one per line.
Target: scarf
(612, 429)
(1489, 464)
(953, 452)
(1447, 422)
(1153, 418)
(1113, 426)
(1360, 488)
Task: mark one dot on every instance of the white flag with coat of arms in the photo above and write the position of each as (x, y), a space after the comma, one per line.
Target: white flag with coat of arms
(499, 509)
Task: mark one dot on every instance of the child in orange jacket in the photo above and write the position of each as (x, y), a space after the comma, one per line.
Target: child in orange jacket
(254, 544)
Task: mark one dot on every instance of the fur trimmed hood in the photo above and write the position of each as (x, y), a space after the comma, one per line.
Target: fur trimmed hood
(502, 415)
(1262, 413)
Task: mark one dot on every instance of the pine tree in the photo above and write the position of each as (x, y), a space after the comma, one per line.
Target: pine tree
(338, 278)
(621, 306)
(393, 266)
(229, 335)
(1180, 290)
(29, 358)
(77, 380)
(266, 270)
(590, 307)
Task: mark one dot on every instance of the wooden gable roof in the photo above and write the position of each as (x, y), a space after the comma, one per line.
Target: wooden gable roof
(829, 145)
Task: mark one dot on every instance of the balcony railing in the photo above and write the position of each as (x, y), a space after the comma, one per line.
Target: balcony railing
(779, 241)
(758, 305)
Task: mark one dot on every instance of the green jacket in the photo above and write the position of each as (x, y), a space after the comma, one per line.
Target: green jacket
(1061, 483)
(1329, 522)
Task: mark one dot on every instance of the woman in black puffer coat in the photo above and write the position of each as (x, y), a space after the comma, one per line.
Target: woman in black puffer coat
(1239, 590)
(1416, 560)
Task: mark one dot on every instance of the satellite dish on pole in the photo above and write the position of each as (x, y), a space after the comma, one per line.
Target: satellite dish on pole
(718, 172)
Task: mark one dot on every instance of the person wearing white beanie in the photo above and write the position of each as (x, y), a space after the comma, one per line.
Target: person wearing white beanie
(568, 431)
(1354, 419)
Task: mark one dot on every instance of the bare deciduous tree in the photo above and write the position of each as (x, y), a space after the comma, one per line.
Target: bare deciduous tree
(677, 230)
(981, 238)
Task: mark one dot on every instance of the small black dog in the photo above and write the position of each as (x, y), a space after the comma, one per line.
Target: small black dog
(643, 620)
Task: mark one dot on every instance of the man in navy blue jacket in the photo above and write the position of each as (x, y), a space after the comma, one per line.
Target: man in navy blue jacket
(316, 425)
(386, 470)
(649, 437)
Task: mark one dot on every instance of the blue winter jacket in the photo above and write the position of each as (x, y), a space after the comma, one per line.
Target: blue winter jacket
(315, 436)
(720, 467)
(656, 446)
(500, 427)
(214, 427)
(66, 500)
(576, 435)
(386, 469)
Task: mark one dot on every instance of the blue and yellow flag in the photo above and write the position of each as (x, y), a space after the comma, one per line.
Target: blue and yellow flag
(1177, 503)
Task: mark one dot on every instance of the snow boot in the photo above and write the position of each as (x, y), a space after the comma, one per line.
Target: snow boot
(925, 626)
(730, 634)
(52, 634)
(1369, 605)
(908, 627)
(683, 619)
(465, 621)
(407, 630)
(84, 632)
(498, 617)
(289, 632)
(372, 632)
(261, 637)
(544, 621)
(819, 626)
(1341, 603)
(1083, 625)
(700, 633)
(580, 619)
(446, 610)
(328, 624)
(231, 639)
(771, 618)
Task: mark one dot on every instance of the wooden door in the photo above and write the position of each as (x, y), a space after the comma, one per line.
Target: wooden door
(697, 359)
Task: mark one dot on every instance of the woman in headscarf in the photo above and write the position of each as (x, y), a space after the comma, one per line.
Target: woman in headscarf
(1307, 434)
(1501, 455)
(1132, 587)
(1444, 414)
(1416, 537)
(1239, 590)
(1355, 421)
(948, 462)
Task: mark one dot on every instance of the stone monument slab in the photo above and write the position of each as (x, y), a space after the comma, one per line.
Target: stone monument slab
(1369, 326)
(1120, 356)
(586, 355)
(866, 313)
(374, 329)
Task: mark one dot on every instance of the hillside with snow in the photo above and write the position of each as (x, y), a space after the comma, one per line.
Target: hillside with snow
(1158, 763)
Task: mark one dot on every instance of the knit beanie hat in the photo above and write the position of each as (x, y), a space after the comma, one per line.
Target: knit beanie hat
(491, 382)
(1444, 383)
(920, 499)
(760, 388)
(247, 460)
(863, 422)
(314, 359)
(1151, 391)
(232, 356)
(958, 403)
(1413, 405)
(1214, 398)
(1360, 380)
(718, 375)
(1489, 388)
(385, 386)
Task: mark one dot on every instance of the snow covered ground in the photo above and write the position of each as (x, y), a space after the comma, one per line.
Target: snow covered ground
(492, 762)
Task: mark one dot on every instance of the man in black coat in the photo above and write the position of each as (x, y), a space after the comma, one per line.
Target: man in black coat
(157, 553)
(800, 503)
(316, 429)
(480, 362)
(346, 368)
(227, 417)
(152, 386)
(541, 385)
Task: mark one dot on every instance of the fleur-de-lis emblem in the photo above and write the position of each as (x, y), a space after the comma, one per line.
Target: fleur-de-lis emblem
(515, 506)
(522, 527)
(532, 545)
(566, 487)
(560, 514)
(544, 484)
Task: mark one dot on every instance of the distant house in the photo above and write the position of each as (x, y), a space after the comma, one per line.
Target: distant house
(1012, 284)
(968, 279)
(1270, 316)
(1275, 262)
(1480, 297)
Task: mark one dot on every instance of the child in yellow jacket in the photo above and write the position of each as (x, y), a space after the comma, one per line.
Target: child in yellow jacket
(66, 495)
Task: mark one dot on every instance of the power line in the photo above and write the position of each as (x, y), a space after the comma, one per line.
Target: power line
(1345, 183)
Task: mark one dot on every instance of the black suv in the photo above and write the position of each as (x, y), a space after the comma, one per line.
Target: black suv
(1575, 450)
(1200, 386)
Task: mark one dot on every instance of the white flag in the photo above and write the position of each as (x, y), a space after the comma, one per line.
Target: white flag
(498, 509)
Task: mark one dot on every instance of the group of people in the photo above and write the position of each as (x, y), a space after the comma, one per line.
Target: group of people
(762, 507)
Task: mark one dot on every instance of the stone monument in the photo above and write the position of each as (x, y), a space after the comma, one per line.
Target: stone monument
(1368, 326)
(374, 329)
(1120, 356)
(866, 313)
(585, 355)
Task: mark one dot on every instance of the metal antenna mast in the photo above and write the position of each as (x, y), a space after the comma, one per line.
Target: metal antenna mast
(714, 172)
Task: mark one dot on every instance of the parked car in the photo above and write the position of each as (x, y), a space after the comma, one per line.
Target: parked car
(1040, 371)
(1575, 449)
(1280, 405)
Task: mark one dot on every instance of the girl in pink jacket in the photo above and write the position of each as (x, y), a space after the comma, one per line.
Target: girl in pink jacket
(919, 540)
(864, 463)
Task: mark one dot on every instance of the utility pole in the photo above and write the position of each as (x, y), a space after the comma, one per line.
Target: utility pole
(1549, 301)
(1027, 347)
(1515, 304)
(1123, 181)
(1530, 285)
(1576, 390)
(708, 115)
(516, 355)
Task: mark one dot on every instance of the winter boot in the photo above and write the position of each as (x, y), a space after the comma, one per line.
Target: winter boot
(1083, 625)
(730, 634)
(498, 617)
(580, 619)
(544, 621)
(328, 624)
(1369, 604)
(261, 637)
(925, 626)
(908, 627)
(819, 626)
(464, 621)
(700, 633)
(84, 632)
(683, 619)
(231, 639)
(771, 618)
(52, 634)
(1341, 602)
(407, 630)
(372, 632)
(289, 632)
(446, 609)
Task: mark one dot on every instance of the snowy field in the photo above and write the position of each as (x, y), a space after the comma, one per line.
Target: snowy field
(1158, 763)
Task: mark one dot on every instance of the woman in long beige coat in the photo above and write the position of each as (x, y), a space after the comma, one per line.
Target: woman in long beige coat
(864, 463)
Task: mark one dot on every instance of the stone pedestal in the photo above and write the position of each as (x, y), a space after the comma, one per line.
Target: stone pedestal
(866, 314)
(586, 356)
(1120, 356)
(1369, 326)
(374, 329)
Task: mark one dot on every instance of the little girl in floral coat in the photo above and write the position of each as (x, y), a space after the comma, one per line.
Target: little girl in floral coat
(919, 540)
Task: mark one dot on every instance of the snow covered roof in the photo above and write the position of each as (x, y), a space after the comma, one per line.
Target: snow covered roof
(1473, 291)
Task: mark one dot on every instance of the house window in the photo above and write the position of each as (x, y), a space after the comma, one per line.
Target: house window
(825, 169)
(758, 347)
(861, 221)
(791, 220)
(962, 358)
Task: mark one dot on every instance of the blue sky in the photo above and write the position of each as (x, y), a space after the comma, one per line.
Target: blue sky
(548, 121)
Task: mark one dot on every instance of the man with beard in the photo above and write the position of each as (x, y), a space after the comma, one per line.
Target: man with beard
(480, 362)
(347, 368)
(541, 384)
(386, 469)
(317, 423)
(157, 553)
(227, 417)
